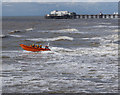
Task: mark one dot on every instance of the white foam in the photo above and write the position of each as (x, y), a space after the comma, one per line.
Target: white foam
(116, 30)
(91, 38)
(2, 36)
(11, 51)
(71, 29)
(22, 62)
(105, 23)
(60, 48)
(107, 47)
(58, 51)
(29, 29)
(15, 31)
(104, 26)
(26, 51)
(52, 39)
(16, 36)
(48, 52)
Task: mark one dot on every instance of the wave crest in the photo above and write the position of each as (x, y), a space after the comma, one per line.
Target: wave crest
(29, 29)
(52, 39)
(2, 36)
(15, 31)
(16, 36)
(72, 29)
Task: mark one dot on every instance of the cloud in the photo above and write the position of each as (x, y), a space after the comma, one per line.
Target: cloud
(60, 1)
(102, 0)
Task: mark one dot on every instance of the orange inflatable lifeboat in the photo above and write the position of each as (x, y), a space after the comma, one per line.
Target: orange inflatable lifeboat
(34, 49)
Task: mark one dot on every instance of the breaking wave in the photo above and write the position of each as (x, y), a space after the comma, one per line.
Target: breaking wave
(72, 30)
(116, 30)
(104, 26)
(94, 38)
(18, 31)
(2, 36)
(15, 31)
(18, 36)
(105, 23)
(52, 39)
(29, 29)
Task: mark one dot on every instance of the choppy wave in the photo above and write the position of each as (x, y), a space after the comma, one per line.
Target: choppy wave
(104, 26)
(52, 39)
(18, 31)
(71, 29)
(105, 23)
(18, 36)
(29, 29)
(14, 31)
(94, 38)
(91, 67)
(13, 51)
(116, 30)
(61, 49)
(2, 36)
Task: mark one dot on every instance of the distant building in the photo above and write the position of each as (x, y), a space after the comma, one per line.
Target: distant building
(60, 14)
(100, 13)
(115, 13)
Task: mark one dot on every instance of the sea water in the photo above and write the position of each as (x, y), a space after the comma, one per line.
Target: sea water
(83, 56)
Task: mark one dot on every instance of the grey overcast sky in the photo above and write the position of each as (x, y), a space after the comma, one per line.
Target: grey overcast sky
(60, 0)
(41, 9)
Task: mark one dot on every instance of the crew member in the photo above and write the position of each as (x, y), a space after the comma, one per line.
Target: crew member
(37, 46)
(46, 47)
(33, 45)
(40, 46)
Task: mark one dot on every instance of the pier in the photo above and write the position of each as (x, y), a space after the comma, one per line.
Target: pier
(96, 16)
(72, 15)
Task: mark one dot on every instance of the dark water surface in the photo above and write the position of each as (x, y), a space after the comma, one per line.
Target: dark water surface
(83, 56)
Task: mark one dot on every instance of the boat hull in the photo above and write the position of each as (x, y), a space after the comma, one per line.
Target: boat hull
(33, 49)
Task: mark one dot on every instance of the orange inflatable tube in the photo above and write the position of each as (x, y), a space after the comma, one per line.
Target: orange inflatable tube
(33, 49)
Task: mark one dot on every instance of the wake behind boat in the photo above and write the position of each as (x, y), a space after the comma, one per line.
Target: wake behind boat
(33, 49)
